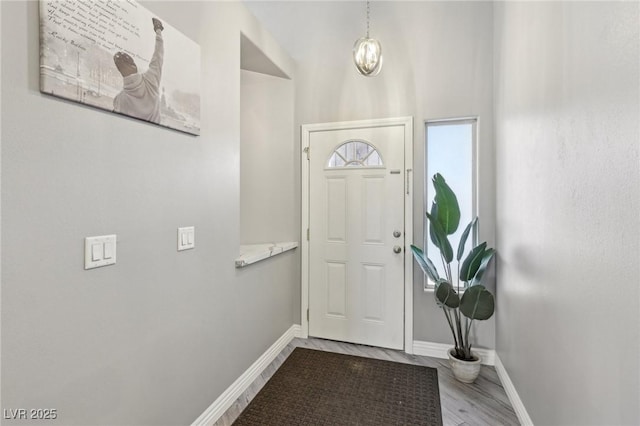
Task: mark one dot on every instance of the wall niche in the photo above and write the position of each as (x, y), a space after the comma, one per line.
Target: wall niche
(267, 175)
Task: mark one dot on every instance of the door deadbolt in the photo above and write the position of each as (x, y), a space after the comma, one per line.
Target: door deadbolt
(397, 234)
(397, 249)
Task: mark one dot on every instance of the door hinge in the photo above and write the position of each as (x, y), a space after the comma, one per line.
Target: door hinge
(307, 234)
(408, 179)
(307, 314)
(306, 151)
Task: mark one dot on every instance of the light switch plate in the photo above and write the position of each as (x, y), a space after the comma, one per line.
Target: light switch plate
(186, 238)
(99, 251)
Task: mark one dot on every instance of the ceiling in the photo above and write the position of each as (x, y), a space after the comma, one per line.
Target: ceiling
(299, 26)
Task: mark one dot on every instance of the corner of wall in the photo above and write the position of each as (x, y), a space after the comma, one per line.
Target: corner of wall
(512, 393)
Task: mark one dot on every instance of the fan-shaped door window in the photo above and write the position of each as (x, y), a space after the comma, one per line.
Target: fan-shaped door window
(355, 153)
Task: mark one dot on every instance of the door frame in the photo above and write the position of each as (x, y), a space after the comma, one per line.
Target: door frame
(306, 131)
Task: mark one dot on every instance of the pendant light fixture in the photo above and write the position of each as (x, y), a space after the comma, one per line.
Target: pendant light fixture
(367, 53)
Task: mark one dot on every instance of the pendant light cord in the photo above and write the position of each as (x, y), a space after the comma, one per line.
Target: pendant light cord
(367, 18)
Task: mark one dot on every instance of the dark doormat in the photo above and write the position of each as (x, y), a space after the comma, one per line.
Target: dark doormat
(324, 388)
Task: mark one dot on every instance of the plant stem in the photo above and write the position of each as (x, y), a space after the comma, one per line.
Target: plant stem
(446, 314)
(444, 266)
(466, 336)
(459, 326)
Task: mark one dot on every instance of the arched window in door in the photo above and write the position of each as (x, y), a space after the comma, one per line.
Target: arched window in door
(355, 153)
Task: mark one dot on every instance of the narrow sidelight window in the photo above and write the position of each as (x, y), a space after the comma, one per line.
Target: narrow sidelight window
(450, 149)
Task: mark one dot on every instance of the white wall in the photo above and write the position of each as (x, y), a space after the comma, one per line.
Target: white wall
(437, 64)
(156, 338)
(568, 202)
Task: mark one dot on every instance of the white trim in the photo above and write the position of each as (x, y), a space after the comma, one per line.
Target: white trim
(233, 392)
(359, 124)
(450, 119)
(512, 393)
(306, 131)
(439, 350)
(408, 233)
(304, 229)
(0, 186)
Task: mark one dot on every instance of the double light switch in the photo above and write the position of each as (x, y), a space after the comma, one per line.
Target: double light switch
(99, 251)
(186, 238)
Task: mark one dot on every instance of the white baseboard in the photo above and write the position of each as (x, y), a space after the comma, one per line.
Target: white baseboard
(228, 397)
(510, 389)
(439, 350)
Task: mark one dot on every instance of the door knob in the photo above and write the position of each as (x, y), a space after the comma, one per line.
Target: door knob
(397, 249)
(397, 234)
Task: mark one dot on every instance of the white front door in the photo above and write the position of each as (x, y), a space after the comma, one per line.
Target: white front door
(357, 235)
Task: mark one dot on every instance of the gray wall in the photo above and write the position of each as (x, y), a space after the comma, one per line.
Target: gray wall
(568, 202)
(156, 338)
(269, 206)
(269, 172)
(437, 64)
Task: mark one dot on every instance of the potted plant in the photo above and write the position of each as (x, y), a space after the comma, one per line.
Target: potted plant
(476, 302)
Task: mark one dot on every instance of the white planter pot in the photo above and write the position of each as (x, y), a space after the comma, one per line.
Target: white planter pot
(465, 371)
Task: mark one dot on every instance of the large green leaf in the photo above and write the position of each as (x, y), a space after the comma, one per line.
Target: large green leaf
(448, 208)
(446, 295)
(432, 232)
(472, 262)
(463, 238)
(425, 263)
(486, 258)
(441, 240)
(477, 303)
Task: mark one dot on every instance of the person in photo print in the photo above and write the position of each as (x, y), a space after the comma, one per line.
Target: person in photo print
(140, 95)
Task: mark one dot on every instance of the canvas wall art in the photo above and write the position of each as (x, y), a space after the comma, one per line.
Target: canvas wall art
(118, 56)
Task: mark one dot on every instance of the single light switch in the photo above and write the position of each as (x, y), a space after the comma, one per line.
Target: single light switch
(96, 252)
(108, 250)
(99, 251)
(186, 238)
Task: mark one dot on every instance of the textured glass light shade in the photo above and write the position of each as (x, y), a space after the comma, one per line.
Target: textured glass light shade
(367, 56)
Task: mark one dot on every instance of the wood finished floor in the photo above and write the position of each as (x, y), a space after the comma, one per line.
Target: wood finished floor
(482, 403)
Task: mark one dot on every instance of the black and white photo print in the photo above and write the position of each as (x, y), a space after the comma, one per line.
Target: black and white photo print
(118, 56)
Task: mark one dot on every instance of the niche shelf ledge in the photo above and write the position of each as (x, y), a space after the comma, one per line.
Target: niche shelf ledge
(252, 253)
